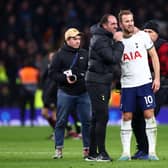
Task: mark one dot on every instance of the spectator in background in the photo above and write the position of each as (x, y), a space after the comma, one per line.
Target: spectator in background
(11, 63)
(161, 46)
(105, 53)
(77, 124)
(29, 78)
(68, 69)
(4, 91)
(49, 95)
(161, 97)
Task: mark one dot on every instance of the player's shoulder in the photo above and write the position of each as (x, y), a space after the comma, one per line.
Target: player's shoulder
(141, 33)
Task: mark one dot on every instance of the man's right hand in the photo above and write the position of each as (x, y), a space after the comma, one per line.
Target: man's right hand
(118, 36)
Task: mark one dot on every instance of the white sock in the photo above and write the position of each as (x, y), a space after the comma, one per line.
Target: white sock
(126, 134)
(151, 132)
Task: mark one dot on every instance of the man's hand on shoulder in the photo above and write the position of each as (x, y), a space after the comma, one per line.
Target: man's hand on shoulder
(118, 36)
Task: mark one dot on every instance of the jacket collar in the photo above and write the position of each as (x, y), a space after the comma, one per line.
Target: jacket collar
(97, 29)
(69, 48)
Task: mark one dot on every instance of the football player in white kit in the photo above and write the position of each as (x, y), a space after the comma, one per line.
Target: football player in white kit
(136, 83)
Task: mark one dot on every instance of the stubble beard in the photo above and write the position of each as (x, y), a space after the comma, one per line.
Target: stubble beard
(129, 31)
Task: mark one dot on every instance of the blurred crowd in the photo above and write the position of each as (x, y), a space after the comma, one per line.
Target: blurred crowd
(32, 28)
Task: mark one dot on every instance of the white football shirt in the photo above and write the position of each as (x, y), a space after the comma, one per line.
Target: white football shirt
(134, 64)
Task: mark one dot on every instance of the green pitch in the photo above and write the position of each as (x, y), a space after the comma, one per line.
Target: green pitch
(29, 148)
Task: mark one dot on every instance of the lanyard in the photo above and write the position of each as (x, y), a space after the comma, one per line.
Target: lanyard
(74, 60)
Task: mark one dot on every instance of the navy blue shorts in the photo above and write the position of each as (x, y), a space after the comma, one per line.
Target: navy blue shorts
(141, 96)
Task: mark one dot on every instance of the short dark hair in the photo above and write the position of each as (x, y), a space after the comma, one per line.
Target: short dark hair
(104, 19)
(124, 12)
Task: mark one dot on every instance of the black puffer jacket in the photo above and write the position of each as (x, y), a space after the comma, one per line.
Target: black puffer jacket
(62, 62)
(104, 56)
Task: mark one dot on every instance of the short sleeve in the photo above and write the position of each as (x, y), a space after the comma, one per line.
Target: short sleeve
(147, 40)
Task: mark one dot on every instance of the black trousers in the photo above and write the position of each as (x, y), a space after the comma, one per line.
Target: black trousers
(139, 130)
(99, 95)
(138, 122)
(27, 97)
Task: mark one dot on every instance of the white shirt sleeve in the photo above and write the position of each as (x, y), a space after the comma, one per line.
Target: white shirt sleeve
(148, 41)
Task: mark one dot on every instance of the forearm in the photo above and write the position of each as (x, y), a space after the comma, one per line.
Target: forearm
(155, 63)
(157, 71)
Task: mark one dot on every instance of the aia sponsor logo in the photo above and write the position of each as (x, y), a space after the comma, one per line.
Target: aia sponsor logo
(131, 56)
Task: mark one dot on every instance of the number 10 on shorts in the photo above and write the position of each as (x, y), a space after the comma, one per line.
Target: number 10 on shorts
(148, 99)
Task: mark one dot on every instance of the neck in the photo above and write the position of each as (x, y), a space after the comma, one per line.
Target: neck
(128, 34)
